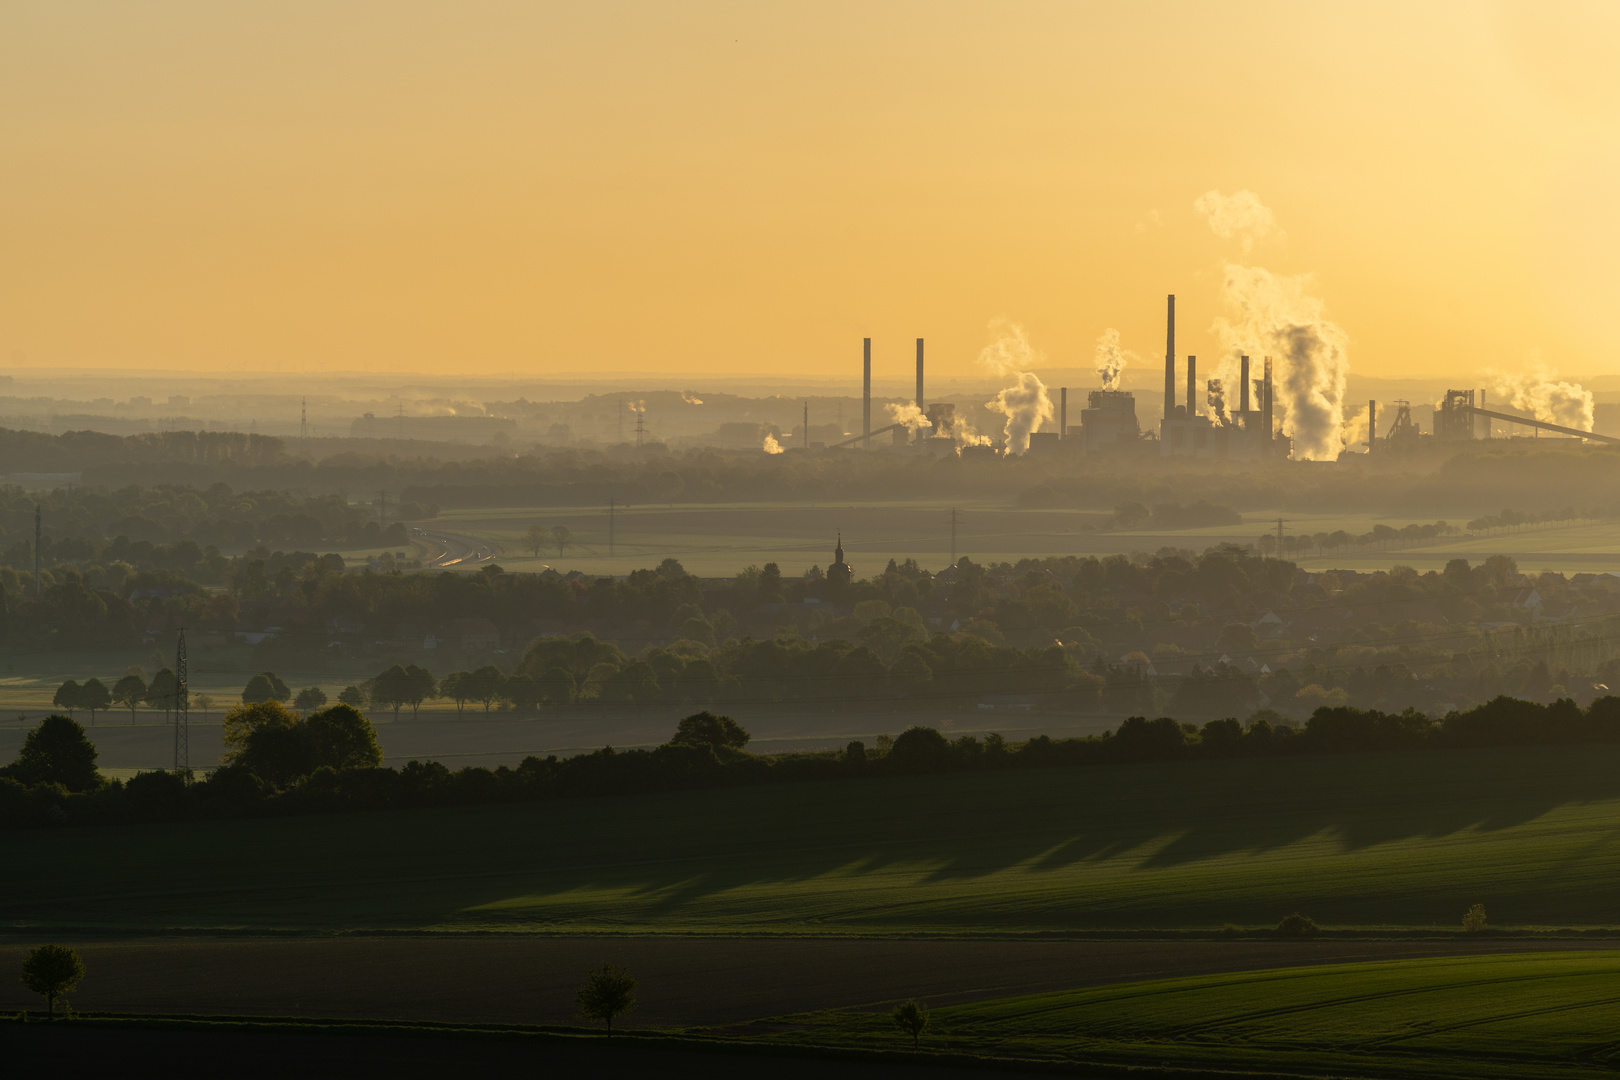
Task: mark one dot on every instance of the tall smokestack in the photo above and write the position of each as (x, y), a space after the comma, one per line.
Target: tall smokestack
(920, 406)
(1265, 411)
(1170, 361)
(1192, 385)
(1372, 425)
(866, 396)
(1063, 412)
(1243, 383)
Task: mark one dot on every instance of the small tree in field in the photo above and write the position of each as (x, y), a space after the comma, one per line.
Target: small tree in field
(130, 690)
(535, 538)
(911, 1017)
(562, 538)
(67, 696)
(1474, 919)
(52, 971)
(95, 696)
(608, 992)
(309, 699)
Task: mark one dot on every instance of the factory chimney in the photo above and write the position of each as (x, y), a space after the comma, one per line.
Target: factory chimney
(1170, 361)
(1243, 387)
(1063, 412)
(920, 406)
(866, 396)
(1372, 425)
(1265, 412)
(1192, 383)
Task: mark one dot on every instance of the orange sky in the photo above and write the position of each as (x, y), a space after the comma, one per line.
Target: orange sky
(547, 188)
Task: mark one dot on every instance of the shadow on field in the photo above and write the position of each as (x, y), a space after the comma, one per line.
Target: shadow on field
(734, 856)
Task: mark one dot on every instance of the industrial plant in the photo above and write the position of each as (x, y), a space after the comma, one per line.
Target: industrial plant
(1205, 425)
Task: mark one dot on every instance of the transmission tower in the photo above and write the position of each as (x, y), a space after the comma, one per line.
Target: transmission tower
(641, 427)
(953, 536)
(303, 424)
(182, 708)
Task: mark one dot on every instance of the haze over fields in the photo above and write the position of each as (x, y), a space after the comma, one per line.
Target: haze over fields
(650, 537)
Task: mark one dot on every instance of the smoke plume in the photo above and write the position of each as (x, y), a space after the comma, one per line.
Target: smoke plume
(909, 415)
(690, 398)
(1110, 358)
(1355, 427)
(771, 445)
(1539, 391)
(1215, 398)
(1274, 315)
(1025, 403)
(1239, 215)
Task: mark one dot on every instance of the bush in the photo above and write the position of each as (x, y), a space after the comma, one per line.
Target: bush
(707, 729)
(1297, 925)
(1474, 919)
(920, 750)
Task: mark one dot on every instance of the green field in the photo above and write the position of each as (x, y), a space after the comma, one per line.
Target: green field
(1398, 840)
(718, 540)
(1531, 1015)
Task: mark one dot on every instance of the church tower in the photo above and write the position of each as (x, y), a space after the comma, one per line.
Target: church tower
(840, 573)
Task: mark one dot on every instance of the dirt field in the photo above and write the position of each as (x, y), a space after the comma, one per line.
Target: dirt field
(684, 982)
(43, 1050)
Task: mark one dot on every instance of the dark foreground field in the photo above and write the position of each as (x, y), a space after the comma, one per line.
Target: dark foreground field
(684, 982)
(1384, 840)
(1480, 1017)
(1493, 1017)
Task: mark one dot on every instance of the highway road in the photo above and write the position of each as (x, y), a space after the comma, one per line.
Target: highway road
(450, 551)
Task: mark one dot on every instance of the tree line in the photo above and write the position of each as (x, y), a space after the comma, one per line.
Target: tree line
(278, 763)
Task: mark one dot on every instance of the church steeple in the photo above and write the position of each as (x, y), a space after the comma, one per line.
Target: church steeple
(840, 573)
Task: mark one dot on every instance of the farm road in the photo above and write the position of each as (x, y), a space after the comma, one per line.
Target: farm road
(684, 982)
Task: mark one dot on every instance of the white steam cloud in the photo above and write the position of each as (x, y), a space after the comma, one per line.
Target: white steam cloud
(1111, 358)
(1539, 391)
(771, 445)
(1025, 403)
(909, 415)
(1274, 315)
(690, 398)
(1240, 215)
(1269, 314)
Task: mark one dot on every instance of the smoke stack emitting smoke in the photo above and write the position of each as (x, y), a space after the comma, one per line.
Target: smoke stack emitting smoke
(1025, 403)
(1111, 358)
(1273, 314)
(771, 445)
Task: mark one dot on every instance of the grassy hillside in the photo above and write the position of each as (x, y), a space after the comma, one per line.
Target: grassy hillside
(1533, 1015)
(1380, 839)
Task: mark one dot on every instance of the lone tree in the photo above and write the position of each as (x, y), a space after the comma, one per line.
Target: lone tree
(707, 729)
(309, 699)
(58, 752)
(535, 538)
(561, 538)
(911, 1017)
(609, 991)
(1474, 919)
(52, 971)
